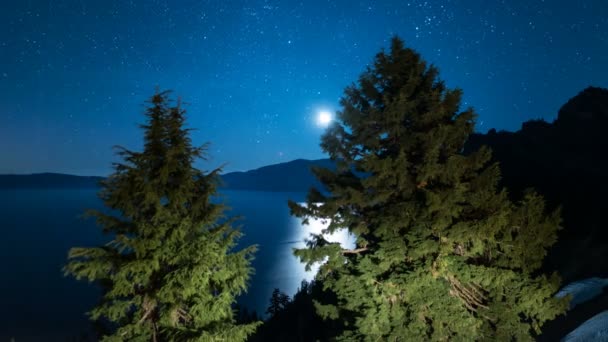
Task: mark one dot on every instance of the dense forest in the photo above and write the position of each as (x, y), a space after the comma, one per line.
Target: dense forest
(460, 235)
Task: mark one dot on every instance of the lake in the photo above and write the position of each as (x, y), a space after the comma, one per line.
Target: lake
(39, 226)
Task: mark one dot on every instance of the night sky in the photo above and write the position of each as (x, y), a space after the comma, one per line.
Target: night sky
(74, 75)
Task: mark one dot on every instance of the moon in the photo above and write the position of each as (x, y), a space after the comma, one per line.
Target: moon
(324, 118)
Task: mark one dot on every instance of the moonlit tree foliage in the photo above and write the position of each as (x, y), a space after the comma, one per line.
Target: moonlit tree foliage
(170, 272)
(441, 252)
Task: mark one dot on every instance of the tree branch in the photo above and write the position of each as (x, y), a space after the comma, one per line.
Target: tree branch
(146, 314)
(354, 251)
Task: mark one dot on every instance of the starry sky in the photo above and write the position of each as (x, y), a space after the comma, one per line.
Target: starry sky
(74, 74)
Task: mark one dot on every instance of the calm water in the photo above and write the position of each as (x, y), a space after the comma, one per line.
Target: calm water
(39, 226)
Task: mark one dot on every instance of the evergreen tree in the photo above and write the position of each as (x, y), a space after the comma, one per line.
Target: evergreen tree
(441, 253)
(278, 302)
(170, 272)
(296, 320)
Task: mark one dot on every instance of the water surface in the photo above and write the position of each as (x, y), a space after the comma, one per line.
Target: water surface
(39, 226)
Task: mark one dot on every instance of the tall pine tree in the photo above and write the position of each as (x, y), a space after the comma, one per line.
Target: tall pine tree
(171, 271)
(441, 253)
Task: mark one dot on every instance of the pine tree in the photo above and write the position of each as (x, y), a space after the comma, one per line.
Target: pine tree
(441, 252)
(278, 302)
(170, 271)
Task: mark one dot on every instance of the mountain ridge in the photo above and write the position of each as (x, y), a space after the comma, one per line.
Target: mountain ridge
(292, 176)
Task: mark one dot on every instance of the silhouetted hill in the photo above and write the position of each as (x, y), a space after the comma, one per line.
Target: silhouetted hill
(588, 106)
(47, 181)
(566, 161)
(291, 176)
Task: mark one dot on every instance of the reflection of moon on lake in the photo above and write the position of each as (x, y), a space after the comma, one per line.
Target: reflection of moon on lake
(289, 268)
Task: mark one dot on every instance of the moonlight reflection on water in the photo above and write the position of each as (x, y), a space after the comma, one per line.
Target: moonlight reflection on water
(290, 269)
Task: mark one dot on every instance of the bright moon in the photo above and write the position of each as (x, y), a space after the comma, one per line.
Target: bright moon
(324, 118)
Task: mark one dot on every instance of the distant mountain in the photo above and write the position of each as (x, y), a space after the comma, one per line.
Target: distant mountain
(293, 176)
(48, 181)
